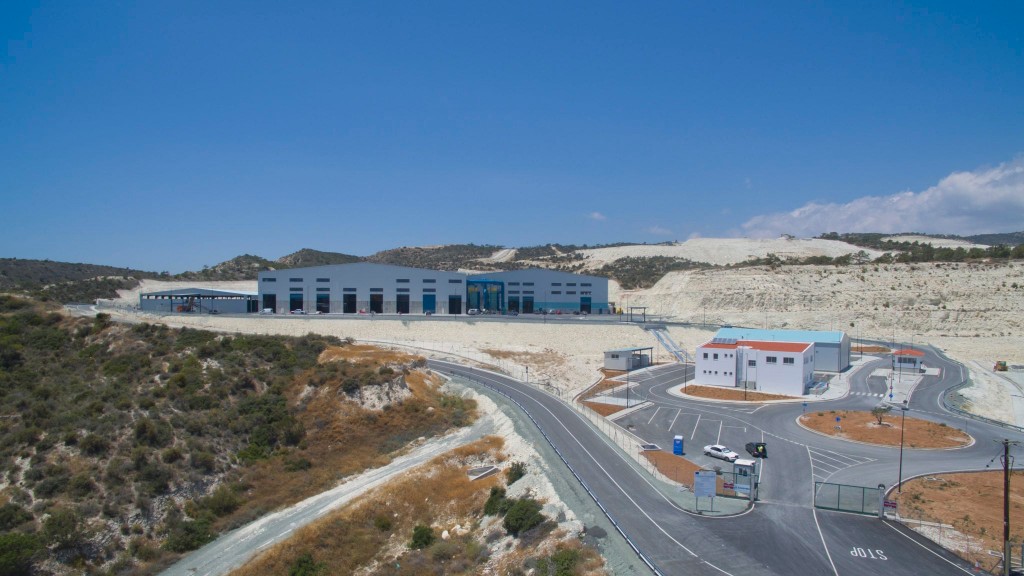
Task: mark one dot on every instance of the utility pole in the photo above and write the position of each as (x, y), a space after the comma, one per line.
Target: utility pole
(1007, 463)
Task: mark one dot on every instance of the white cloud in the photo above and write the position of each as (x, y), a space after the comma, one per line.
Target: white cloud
(597, 216)
(659, 231)
(981, 201)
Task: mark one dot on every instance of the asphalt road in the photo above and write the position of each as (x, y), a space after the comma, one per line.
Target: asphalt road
(783, 533)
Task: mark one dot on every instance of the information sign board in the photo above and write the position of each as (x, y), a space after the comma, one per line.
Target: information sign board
(704, 483)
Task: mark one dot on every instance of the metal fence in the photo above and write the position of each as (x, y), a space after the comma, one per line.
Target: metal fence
(846, 498)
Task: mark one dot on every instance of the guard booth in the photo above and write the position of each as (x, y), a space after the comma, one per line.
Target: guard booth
(745, 478)
(627, 359)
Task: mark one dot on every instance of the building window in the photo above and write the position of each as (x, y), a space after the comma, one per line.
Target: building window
(751, 363)
(348, 289)
(376, 289)
(429, 290)
(513, 283)
(296, 289)
(585, 292)
(570, 291)
(321, 280)
(556, 291)
(295, 279)
(401, 290)
(705, 355)
(402, 280)
(556, 283)
(513, 291)
(771, 359)
(570, 283)
(270, 279)
(527, 283)
(585, 284)
(323, 289)
(788, 361)
(527, 291)
(714, 356)
(615, 355)
(455, 281)
(430, 281)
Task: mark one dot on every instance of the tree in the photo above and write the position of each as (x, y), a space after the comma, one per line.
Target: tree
(879, 412)
(422, 536)
(522, 516)
(63, 527)
(16, 551)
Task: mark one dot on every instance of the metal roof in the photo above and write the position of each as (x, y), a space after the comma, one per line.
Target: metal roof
(630, 349)
(200, 293)
(831, 337)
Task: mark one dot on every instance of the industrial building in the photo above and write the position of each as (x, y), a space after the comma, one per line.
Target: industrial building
(365, 287)
(626, 359)
(772, 367)
(831, 348)
(199, 300)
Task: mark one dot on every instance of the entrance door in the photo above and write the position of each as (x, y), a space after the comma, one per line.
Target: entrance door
(429, 303)
(295, 302)
(323, 303)
(270, 301)
(402, 303)
(455, 304)
(585, 304)
(377, 303)
(513, 303)
(348, 303)
(527, 304)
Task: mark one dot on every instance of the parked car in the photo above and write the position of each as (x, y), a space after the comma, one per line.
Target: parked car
(267, 311)
(473, 311)
(721, 452)
(757, 449)
(214, 312)
(298, 311)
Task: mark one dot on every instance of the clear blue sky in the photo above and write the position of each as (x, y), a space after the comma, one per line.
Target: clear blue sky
(169, 135)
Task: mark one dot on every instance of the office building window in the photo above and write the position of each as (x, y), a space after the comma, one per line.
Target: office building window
(270, 279)
(295, 279)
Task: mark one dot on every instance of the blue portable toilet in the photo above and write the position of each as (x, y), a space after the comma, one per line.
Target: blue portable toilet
(677, 445)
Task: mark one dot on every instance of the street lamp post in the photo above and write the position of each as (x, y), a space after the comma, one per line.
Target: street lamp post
(903, 427)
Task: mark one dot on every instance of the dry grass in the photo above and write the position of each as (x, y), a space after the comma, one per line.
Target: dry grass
(973, 504)
(718, 393)
(438, 494)
(606, 383)
(366, 353)
(863, 427)
(342, 439)
(874, 349)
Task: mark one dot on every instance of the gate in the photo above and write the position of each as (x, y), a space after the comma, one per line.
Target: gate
(847, 498)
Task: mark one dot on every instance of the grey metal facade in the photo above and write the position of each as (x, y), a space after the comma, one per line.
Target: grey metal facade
(552, 290)
(198, 300)
(365, 287)
(831, 348)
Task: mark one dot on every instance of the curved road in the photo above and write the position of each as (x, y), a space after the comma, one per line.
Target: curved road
(783, 533)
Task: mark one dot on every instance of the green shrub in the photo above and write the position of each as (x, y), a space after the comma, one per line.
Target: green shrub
(16, 552)
(516, 470)
(523, 515)
(12, 516)
(305, 565)
(185, 535)
(422, 536)
(63, 527)
(496, 502)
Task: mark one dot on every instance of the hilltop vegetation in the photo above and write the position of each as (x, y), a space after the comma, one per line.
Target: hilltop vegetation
(450, 257)
(124, 445)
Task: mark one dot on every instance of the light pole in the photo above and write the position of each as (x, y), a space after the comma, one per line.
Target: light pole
(903, 427)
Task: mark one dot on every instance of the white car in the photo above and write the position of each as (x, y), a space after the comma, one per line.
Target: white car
(719, 451)
(298, 311)
(472, 312)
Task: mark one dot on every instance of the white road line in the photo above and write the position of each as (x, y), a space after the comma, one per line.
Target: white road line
(653, 415)
(674, 419)
(946, 560)
(719, 440)
(695, 427)
(814, 512)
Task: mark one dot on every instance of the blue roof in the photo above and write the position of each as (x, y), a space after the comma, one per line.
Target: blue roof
(834, 337)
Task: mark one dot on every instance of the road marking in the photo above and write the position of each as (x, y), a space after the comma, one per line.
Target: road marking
(719, 440)
(623, 491)
(946, 560)
(814, 513)
(674, 419)
(653, 415)
(695, 427)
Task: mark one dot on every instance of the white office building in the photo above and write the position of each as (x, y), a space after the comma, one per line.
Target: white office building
(771, 367)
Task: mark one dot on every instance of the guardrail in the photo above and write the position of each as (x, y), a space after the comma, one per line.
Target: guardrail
(636, 549)
(951, 406)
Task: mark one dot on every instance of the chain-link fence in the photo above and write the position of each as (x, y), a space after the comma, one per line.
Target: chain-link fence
(847, 498)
